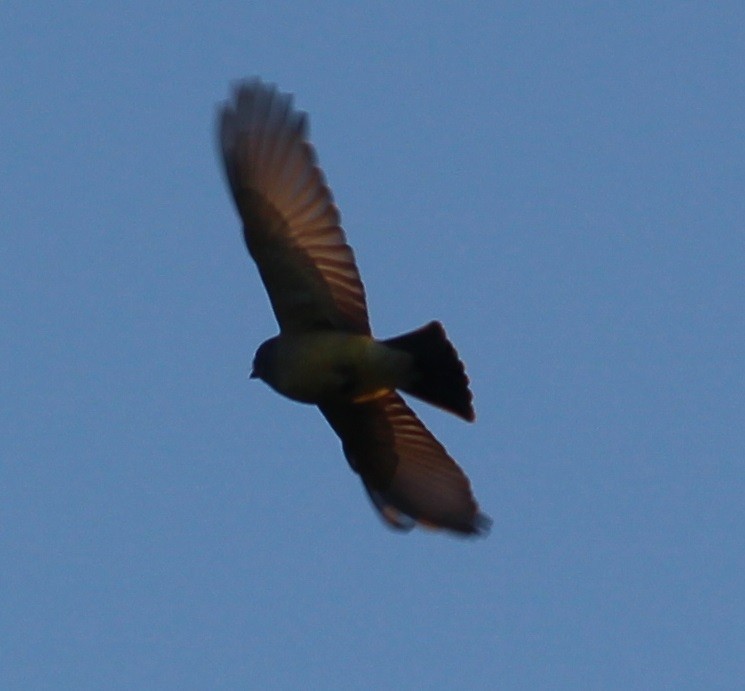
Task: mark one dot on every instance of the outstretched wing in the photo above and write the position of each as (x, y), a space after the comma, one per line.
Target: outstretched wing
(290, 223)
(406, 471)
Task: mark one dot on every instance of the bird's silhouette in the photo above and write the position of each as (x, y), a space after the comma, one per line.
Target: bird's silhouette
(325, 353)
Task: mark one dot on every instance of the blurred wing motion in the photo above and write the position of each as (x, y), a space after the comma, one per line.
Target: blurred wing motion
(406, 471)
(290, 223)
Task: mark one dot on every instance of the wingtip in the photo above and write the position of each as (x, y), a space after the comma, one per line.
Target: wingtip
(476, 525)
(254, 100)
(482, 525)
(256, 112)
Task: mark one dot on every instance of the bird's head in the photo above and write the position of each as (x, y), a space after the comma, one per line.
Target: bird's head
(263, 363)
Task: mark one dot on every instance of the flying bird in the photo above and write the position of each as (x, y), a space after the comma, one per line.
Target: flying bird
(325, 353)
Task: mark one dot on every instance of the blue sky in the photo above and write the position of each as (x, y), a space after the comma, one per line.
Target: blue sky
(560, 183)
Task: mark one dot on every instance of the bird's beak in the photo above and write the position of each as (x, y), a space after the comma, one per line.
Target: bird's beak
(253, 374)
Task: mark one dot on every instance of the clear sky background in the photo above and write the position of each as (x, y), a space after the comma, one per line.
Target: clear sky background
(562, 184)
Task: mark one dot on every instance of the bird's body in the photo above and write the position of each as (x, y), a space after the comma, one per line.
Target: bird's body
(331, 367)
(325, 353)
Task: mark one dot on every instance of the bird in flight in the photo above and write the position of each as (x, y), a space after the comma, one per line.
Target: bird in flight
(325, 353)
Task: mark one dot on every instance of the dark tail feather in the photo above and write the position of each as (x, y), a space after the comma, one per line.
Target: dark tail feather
(438, 376)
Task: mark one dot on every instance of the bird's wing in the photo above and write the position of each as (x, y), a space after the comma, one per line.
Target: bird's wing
(290, 223)
(406, 471)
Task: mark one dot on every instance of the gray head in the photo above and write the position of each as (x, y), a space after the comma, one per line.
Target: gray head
(263, 363)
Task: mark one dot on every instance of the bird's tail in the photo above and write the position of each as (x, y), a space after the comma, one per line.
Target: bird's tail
(437, 375)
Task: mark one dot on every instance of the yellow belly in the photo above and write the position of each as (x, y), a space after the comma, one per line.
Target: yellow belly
(327, 366)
